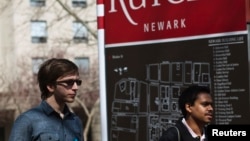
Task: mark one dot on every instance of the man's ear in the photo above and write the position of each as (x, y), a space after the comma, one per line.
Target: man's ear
(51, 88)
(188, 107)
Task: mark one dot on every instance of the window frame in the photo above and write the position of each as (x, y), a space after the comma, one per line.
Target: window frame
(36, 62)
(80, 32)
(39, 32)
(79, 3)
(84, 67)
(37, 3)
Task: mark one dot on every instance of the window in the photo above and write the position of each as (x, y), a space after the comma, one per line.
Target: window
(79, 3)
(83, 64)
(80, 32)
(38, 31)
(37, 3)
(36, 62)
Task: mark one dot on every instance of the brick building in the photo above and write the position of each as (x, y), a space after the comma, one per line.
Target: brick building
(34, 30)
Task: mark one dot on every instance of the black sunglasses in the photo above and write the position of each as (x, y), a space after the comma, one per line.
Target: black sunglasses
(69, 82)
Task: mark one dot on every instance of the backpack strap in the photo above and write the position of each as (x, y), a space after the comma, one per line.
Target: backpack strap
(178, 133)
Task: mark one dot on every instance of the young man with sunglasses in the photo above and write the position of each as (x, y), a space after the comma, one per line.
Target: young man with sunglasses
(52, 120)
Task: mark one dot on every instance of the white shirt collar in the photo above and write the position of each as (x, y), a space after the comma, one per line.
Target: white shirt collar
(194, 135)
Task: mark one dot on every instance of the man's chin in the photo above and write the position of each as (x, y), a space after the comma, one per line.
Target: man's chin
(70, 100)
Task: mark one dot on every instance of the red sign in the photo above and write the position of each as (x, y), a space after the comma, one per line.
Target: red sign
(142, 20)
(248, 10)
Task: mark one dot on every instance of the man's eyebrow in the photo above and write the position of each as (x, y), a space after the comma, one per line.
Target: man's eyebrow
(207, 103)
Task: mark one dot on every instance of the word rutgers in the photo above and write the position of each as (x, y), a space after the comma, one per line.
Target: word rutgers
(216, 132)
(143, 4)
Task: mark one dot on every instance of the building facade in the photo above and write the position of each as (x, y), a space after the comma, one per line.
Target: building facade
(33, 31)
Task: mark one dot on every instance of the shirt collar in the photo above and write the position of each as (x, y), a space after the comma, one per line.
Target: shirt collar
(194, 135)
(48, 109)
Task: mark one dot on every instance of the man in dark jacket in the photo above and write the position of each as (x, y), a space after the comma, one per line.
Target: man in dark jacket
(195, 103)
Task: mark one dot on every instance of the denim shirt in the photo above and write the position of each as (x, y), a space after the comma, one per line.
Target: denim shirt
(42, 123)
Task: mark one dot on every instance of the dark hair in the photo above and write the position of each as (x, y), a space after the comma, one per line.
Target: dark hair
(189, 95)
(51, 70)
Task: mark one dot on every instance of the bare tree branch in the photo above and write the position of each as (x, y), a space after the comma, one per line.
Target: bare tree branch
(65, 7)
